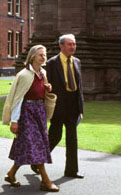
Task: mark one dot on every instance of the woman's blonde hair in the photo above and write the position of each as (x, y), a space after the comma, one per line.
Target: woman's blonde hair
(32, 53)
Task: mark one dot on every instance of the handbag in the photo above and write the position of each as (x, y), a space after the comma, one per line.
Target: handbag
(50, 103)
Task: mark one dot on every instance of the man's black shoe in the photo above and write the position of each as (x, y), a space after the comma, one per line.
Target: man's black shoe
(78, 176)
(35, 169)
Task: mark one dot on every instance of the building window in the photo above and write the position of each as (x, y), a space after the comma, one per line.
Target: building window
(17, 44)
(10, 43)
(18, 5)
(10, 7)
(32, 9)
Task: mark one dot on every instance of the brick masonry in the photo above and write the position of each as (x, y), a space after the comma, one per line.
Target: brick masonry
(12, 22)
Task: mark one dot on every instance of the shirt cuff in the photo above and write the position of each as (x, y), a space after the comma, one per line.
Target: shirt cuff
(15, 115)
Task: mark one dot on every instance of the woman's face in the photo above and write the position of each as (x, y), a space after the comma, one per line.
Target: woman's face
(40, 57)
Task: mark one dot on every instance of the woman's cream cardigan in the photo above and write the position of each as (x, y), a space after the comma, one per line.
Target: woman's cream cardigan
(20, 86)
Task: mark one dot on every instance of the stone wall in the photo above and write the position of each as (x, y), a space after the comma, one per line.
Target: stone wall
(97, 27)
(102, 83)
(45, 18)
(107, 18)
(71, 16)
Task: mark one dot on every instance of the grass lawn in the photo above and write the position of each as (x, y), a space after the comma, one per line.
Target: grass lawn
(5, 86)
(100, 129)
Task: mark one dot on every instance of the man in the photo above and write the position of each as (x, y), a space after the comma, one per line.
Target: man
(64, 73)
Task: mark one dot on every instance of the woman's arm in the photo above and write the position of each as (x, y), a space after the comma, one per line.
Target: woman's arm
(15, 115)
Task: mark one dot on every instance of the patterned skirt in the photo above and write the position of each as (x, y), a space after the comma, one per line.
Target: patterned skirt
(31, 146)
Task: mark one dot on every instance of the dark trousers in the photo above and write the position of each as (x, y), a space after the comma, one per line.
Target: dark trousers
(68, 117)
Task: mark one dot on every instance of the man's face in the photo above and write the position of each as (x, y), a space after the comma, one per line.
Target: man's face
(69, 47)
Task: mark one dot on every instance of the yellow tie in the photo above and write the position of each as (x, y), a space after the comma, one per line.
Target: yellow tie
(69, 75)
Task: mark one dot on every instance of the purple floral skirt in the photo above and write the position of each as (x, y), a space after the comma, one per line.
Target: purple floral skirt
(31, 146)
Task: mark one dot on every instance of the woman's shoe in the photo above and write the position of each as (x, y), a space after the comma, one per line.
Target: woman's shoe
(49, 187)
(14, 182)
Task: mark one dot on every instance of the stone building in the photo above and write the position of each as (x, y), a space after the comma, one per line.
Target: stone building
(97, 27)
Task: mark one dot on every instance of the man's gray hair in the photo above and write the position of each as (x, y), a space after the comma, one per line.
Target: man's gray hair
(67, 36)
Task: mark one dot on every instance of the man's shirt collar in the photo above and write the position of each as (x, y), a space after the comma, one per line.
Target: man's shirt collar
(64, 57)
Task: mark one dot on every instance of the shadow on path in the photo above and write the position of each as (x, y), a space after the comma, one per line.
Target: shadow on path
(106, 156)
(32, 187)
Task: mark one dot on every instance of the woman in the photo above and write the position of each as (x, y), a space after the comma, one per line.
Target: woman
(24, 107)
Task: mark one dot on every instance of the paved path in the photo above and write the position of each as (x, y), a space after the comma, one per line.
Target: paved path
(102, 174)
(7, 78)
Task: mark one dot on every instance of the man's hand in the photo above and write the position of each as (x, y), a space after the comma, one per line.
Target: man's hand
(81, 116)
(14, 127)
